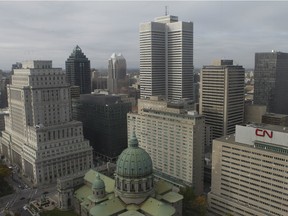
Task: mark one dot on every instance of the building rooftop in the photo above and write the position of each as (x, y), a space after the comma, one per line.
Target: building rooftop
(131, 213)
(155, 207)
(275, 115)
(111, 205)
(134, 162)
(162, 187)
(109, 182)
(100, 99)
(172, 197)
(269, 127)
(107, 208)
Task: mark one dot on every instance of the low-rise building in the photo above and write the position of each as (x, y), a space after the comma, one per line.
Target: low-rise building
(133, 191)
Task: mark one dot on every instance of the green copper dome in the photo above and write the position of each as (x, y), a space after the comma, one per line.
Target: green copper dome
(98, 183)
(134, 162)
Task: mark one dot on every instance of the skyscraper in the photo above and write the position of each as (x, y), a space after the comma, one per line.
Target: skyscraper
(78, 70)
(166, 58)
(104, 120)
(270, 81)
(174, 138)
(116, 73)
(222, 96)
(40, 135)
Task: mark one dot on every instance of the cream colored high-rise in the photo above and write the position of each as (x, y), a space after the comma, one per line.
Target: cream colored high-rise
(222, 96)
(173, 138)
(250, 172)
(166, 58)
(116, 73)
(40, 135)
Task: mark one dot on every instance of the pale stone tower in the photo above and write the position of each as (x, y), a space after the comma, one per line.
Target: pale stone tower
(40, 135)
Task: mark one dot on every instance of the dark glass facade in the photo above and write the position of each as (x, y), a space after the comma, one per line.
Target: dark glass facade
(104, 120)
(78, 70)
(271, 81)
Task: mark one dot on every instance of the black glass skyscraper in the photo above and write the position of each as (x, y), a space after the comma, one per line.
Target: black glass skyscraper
(78, 70)
(271, 81)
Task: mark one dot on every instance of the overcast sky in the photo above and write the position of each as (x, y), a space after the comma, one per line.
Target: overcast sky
(50, 30)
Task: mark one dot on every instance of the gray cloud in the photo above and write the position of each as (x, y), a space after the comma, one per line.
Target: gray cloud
(50, 30)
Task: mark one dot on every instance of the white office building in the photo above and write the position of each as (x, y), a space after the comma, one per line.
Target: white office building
(174, 138)
(250, 172)
(40, 135)
(166, 58)
(116, 73)
(222, 96)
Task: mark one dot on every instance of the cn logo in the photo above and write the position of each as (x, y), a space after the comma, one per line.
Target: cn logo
(263, 133)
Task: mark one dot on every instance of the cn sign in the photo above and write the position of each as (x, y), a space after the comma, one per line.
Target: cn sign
(263, 133)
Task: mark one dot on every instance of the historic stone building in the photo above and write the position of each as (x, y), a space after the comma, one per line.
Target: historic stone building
(40, 135)
(133, 191)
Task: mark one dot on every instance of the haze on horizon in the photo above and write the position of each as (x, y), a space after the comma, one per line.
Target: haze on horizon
(50, 30)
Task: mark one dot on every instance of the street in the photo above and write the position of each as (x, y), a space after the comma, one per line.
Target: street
(23, 194)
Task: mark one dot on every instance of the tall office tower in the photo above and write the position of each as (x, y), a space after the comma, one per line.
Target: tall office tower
(166, 58)
(173, 138)
(116, 73)
(78, 70)
(40, 135)
(222, 96)
(249, 172)
(270, 81)
(104, 120)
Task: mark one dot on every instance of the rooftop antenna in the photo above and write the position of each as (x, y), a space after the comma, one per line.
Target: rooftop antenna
(166, 10)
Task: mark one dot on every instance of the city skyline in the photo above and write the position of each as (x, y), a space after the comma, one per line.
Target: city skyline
(49, 30)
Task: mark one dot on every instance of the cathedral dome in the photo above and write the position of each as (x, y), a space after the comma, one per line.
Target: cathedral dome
(134, 162)
(98, 183)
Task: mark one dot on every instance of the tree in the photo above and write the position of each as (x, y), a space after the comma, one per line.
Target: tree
(193, 204)
(4, 171)
(200, 204)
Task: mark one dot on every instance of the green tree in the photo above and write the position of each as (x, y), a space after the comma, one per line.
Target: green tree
(200, 204)
(192, 204)
(4, 171)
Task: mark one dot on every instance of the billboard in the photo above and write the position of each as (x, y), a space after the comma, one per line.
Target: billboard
(249, 134)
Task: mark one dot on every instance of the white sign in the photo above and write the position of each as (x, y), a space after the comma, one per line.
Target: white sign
(248, 134)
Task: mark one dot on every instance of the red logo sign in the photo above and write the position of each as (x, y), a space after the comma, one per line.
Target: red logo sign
(263, 133)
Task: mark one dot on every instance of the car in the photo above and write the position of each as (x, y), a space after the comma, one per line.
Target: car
(22, 198)
(25, 207)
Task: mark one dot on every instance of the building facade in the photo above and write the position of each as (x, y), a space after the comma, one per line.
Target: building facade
(40, 135)
(104, 120)
(270, 77)
(249, 172)
(173, 138)
(166, 58)
(253, 113)
(133, 191)
(116, 73)
(78, 70)
(275, 119)
(222, 96)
